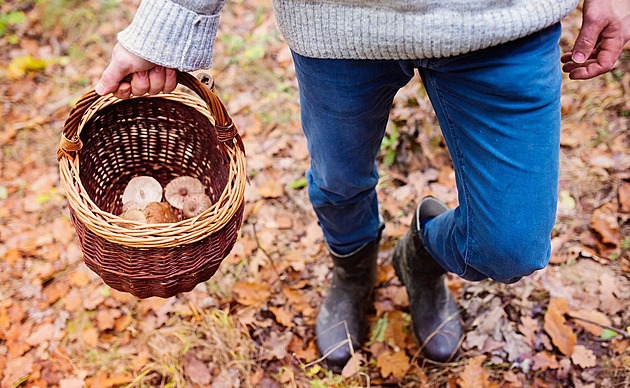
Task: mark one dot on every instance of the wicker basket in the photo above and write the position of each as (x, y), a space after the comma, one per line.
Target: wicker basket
(107, 141)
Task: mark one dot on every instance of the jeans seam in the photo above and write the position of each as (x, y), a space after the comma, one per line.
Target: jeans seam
(469, 239)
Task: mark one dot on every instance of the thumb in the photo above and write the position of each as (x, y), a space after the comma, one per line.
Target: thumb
(113, 74)
(587, 39)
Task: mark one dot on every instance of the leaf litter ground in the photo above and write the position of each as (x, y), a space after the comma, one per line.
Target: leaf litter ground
(252, 323)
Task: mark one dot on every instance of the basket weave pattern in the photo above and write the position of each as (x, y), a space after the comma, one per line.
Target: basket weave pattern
(107, 141)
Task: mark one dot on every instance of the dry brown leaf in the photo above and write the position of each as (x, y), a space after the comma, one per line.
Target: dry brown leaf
(395, 333)
(561, 335)
(54, 291)
(395, 364)
(529, 327)
(544, 360)
(608, 287)
(624, 197)
(271, 189)
(352, 366)
(71, 382)
(276, 345)
(592, 315)
(604, 222)
(41, 333)
(105, 318)
(79, 279)
(620, 346)
(298, 301)
(583, 357)
(250, 293)
(16, 369)
(122, 323)
(196, 370)
(90, 336)
(474, 375)
(72, 301)
(307, 353)
(283, 316)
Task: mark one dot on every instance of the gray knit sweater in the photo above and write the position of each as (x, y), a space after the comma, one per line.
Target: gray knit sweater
(180, 33)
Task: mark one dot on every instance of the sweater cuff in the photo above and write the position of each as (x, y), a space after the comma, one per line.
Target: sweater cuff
(170, 35)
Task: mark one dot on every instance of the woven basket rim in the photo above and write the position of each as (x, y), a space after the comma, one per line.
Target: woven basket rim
(134, 234)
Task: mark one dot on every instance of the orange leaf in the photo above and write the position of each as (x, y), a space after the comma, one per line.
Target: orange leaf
(79, 279)
(594, 316)
(250, 293)
(583, 357)
(624, 197)
(90, 336)
(544, 360)
(396, 364)
(561, 335)
(72, 301)
(283, 316)
(474, 375)
(271, 189)
(395, 333)
(105, 318)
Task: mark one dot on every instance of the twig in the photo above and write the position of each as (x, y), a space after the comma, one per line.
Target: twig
(618, 331)
(271, 261)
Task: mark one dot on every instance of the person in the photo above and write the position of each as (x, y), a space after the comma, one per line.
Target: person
(491, 69)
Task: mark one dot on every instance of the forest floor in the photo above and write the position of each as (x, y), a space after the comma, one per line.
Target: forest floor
(252, 323)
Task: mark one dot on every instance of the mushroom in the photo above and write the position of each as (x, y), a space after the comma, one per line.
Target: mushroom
(131, 205)
(195, 204)
(179, 188)
(159, 213)
(142, 190)
(134, 215)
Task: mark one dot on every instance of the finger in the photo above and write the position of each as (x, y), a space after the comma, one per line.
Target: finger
(587, 38)
(140, 83)
(608, 53)
(113, 74)
(171, 80)
(157, 79)
(123, 92)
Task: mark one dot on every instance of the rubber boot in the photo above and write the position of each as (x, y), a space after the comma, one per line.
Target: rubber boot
(342, 319)
(433, 310)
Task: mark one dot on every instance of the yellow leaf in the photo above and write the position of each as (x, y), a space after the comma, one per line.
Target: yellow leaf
(19, 66)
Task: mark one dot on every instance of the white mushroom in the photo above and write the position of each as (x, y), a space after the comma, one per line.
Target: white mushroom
(134, 215)
(159, 213)
(142, 190)
(179, 188)
(196, 204)
(131, 205)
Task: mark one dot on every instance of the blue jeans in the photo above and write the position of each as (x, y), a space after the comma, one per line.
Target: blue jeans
(499, 111)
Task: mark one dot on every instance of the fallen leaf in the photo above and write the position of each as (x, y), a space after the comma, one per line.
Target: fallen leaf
(583, 357)
(561, 335)
(90, 336)
(17, 368)
(395, 364)
(196, 370)
(604, 222)
(41, 334)
(307, 353)
(474, 375)
(544, 360)
(250, 293)
(529, 327)
(19, 66)
(395, 332)
(79, 279)
(624, 197)
(592, 315)
(72, 382)
(283, 316)
(352, 366)
(271, 189)
(608, 287)
(276, 345)
(105, 318)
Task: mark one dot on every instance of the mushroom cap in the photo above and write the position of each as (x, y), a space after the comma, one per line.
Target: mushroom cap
(196, 204)
(134, 215)
(159, 213)
(179, 188)
(142, 190)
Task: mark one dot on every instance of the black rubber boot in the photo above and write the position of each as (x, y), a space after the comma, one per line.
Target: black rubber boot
(433, 310)
(343, 315)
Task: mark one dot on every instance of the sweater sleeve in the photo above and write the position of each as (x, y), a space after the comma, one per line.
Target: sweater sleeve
(174, 33)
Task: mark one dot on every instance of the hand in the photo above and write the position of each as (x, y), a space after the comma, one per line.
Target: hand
(147, 77)
(605, 30)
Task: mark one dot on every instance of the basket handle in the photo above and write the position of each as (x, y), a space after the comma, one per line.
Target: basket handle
(225, 128)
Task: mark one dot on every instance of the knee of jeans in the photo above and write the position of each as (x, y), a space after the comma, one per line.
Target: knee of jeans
(508, 258)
